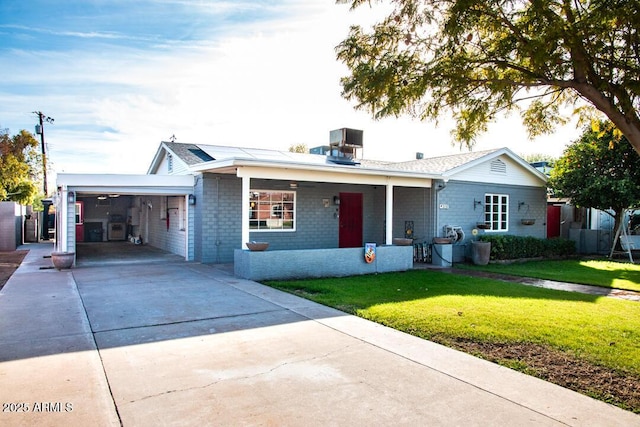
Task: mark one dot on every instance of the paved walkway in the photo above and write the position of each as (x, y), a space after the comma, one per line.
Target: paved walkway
(188, 344)
(551, 284)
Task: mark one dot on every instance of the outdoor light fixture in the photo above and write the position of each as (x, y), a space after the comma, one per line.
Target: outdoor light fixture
(102, 197)
(192, 199)
(293, 185)
(476, 203)
(336, 200)
(71, 197)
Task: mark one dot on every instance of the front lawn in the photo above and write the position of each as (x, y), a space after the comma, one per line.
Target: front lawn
(457, 310)
(610, 274)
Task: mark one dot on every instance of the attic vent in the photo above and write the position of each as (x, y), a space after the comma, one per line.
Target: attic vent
(169, 163)
(498, 166)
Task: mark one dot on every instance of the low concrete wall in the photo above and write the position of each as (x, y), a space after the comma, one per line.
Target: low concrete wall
(305, 263)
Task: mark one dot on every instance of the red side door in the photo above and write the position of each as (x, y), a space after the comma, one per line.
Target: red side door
(350, 234)
(79, 221)
(553, 221)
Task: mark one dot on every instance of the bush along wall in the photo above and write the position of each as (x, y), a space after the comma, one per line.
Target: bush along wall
(505, 247)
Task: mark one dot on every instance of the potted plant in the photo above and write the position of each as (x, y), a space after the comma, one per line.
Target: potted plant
(257, 246)
(62, 260)
(480, 252)
(402, 241)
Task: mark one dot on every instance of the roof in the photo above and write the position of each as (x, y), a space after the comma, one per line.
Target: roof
(442, 164)
(126, 183)
(191, 154)
(203, 157)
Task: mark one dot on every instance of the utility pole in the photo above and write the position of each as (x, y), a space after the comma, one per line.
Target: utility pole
(46, 204)
(40, 130)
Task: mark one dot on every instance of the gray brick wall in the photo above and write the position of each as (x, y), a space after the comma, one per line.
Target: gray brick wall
(412, 204)
(456, 207)
(217, 227)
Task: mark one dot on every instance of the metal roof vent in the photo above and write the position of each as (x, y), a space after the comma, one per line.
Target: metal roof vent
(343, 144)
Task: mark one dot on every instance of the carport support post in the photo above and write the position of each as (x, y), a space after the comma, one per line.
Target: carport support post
(246, 197)
(389, 214)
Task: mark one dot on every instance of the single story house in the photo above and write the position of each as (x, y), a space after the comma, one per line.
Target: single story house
(205, 202)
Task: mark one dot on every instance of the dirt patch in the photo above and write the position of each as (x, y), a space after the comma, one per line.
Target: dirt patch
(9, 262)
(560, 368)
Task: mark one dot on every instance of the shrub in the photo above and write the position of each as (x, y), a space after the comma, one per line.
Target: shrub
(514, 247)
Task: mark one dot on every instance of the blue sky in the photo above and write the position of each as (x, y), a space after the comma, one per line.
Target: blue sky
(119, 76)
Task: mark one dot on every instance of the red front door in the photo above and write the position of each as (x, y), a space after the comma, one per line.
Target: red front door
(553, 221)
(350, 234)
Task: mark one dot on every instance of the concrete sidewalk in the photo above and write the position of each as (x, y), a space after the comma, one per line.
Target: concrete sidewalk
(188, 344)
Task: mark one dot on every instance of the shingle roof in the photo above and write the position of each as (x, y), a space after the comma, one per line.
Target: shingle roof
(441, 164)
(191, 154)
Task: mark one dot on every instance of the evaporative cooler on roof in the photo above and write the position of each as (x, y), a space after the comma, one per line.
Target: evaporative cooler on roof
(344, 144)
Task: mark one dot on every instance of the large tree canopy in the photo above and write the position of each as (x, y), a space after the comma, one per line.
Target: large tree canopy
(599, 171)
(18, 163)
(478, 58)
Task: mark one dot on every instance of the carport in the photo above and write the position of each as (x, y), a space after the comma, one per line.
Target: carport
(108, 211)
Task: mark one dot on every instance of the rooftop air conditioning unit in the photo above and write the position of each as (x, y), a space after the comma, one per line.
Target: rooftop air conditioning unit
(346, 137)
(343, 144)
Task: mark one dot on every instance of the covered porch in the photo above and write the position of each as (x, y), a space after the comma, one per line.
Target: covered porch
(323, 200)
(321, 219)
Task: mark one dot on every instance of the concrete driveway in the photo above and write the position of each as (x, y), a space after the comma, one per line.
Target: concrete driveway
(188, 344)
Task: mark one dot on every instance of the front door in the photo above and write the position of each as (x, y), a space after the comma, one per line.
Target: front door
(350, 233)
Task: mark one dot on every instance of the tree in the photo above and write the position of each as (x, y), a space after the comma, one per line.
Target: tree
(599, 171)
(18, 167)
(478, 58)
(298, 148)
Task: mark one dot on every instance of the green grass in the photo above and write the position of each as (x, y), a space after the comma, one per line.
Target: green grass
(608, 274)
(443, 306)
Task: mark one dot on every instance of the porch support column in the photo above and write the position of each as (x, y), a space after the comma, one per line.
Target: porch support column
(389, 214)
(62, 219)
(246, 189)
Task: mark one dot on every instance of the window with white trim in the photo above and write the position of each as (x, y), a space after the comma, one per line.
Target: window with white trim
(272, 210)
(496, 211)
